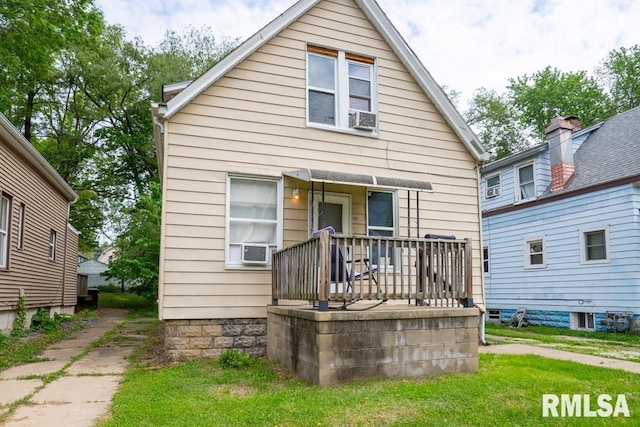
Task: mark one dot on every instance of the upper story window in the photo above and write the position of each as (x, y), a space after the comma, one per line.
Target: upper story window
(341, 89)
(5, 214)
(493, 186)
(525, 182)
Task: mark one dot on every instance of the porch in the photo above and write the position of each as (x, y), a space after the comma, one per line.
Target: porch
(373, 307)
(327, 269)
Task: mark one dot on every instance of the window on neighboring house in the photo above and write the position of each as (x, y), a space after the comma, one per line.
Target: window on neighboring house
(485, 260)
(585, 321)
(339, 85)
(21, 225)
(493, 186)
(52, 245)
(334, 211)
(254, 221)
(534, 253)
(381, 221)
(594, 245)
(5, 215)
(526, 185)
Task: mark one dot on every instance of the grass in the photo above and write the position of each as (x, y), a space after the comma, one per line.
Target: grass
(551, 334)
(507, 390)
(605, 344)
(20, 350)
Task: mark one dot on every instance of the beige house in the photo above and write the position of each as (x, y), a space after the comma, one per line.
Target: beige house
(323, 117)
(38, 246)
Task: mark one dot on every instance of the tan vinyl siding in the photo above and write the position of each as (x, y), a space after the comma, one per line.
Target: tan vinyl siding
(46, 210)
(71, 268)
(254, 120)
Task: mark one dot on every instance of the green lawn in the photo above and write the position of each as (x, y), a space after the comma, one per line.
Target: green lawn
(605, 344)
(506, 391)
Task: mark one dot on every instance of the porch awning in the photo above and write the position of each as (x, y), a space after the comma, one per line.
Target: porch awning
(315, 175)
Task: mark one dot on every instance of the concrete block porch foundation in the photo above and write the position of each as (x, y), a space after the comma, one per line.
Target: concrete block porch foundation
(389, 341)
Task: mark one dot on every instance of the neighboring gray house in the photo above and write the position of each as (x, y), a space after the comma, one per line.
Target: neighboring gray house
(92, 269)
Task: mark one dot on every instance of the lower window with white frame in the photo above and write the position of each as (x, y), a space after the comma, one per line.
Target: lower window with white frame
(594, 245)
(382, 221)
(534, 253)
(254, 221)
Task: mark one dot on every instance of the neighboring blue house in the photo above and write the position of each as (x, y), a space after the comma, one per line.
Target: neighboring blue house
(561, 227)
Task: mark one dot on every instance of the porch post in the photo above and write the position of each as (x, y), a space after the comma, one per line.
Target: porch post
(324, 276)
(468, 301)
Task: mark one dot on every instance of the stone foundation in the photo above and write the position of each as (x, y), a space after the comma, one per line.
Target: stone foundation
(208, 338)
(388, 342)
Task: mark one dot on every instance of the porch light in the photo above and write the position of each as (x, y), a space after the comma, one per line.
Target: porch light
(296, 193)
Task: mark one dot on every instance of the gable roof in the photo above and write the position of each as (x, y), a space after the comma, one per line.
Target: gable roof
(18, 143)
(610, 153)
(386, 29)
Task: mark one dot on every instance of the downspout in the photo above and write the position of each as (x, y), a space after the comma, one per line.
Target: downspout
(481, 331)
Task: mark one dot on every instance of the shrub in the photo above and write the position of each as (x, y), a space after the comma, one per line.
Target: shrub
(110, 288)
(3, 338)
(236, 359)
(42, 321)
(20, 321)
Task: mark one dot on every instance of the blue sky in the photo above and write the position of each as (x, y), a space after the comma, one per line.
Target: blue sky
(465, 44)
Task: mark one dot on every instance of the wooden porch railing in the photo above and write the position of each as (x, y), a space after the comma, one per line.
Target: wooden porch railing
(435, 272)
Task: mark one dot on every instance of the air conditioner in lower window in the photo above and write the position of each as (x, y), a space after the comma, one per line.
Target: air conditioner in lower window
(362, 120)
(255, 253)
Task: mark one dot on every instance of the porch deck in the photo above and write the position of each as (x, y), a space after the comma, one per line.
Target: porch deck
(327, 268)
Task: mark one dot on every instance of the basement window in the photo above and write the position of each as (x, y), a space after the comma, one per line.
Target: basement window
(583, 321)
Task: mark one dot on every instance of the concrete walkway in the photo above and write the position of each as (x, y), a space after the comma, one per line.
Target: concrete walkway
(551, 353)
(87, 376)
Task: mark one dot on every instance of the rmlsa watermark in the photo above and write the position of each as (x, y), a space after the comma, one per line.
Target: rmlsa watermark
(581, 405)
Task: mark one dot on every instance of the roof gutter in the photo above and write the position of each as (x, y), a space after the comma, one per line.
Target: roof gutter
(27, 151)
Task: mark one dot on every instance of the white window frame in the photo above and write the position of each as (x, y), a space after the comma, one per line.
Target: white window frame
(583, 245)
(238, 265)
(22, 214)
(5, 230)
(53, 237)
(341, 91)
(343, 199)
(518, 184)
(486, 261)
(575, 321)
(527, 253)
(487, 187)
(395, 229)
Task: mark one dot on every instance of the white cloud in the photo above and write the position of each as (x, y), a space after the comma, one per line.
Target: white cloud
(465, 44)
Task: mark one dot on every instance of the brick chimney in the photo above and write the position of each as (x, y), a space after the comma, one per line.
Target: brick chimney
(559, 132)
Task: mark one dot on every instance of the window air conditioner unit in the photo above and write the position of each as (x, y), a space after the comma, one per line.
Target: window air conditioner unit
(493, 192)
(255, 253)
(362, 120)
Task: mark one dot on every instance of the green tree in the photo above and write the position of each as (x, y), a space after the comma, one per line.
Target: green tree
(128, 152)
(549, 93)
(620, 74)
(32, 35)
(497, 124)
(138, 246)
